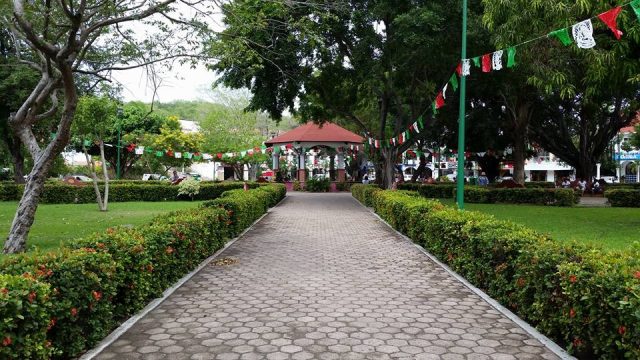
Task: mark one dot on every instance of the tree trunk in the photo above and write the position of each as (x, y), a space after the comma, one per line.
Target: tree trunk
(332, 167)
(25, 214)
(519, 158)
(94, 177)
(18, 163)
(105, 200)
(388, 167)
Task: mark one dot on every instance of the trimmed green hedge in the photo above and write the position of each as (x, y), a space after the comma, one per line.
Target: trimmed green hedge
(84, 290)
(489, 195)
(623, 197)
(583, 298)
(364, 193)
(59, 193)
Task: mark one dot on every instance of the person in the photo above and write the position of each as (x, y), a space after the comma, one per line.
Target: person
(566, 183)
(175, 178)
(596, 188)
(482, 179)
(582, 185)
(365, 179)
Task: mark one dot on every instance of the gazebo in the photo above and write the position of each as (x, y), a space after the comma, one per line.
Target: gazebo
(310, 135)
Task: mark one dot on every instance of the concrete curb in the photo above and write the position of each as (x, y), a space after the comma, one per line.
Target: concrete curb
(125, 326)
(548, 343)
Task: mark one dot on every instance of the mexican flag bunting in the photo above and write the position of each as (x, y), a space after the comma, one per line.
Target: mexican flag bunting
(219, 155)
(476, 61)
(444, 91)
(486, 63)
(207, 156)
(229, 155)
(407, 135)
(140, 150)
(434, 108)
(169, 153)
(562, 35)
(159, 153)
(459, 69)
(466, 67)
(496, 60)
(610, 19)
(420, 123)
(583, 34)
(392, 141)
(149, 150)
(283, 147)
(188, 155)
(376, 144)
(197, 156)
(177, 155)
(401, 138)
(250, 152)
(454, 82)
(243, 153)
(635, 5)
(415, 127)
(439, 100)
(511, 57)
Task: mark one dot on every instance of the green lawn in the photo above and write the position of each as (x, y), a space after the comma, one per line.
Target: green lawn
(57, 223)
(611, 228)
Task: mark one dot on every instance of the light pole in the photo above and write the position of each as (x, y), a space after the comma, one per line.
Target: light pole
(461, 127)
(119, 115)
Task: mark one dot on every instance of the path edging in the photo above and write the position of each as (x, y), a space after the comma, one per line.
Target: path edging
(125, 326)
(548, 343)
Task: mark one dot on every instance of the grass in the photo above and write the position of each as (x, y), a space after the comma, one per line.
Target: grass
(610, 228)
(55, 224)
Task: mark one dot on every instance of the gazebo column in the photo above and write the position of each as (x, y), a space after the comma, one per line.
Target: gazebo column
(275, 161)
(302, 176)
(342, 176)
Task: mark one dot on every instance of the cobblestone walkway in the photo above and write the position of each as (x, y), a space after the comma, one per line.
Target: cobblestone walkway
(321, 278)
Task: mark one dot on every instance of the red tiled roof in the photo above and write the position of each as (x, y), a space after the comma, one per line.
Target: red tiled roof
(311, 132)
(632, 127)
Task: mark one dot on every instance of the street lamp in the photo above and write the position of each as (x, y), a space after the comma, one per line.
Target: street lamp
(119, 116)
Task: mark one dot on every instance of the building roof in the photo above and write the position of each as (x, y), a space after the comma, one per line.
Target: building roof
(314, 133)
(632, 127)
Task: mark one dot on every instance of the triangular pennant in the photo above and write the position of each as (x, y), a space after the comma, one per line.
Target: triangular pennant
(177, 155)
(86, 143)
(635, 5)
(562, 35)
(187, 155)
(511, 56)
(610, 18)
(496, 60)
(583, 34)
(454, 82)
(439, 100)
(169, 153)
(159, 153)
(486, 63)
(140, 150)
(476, 61)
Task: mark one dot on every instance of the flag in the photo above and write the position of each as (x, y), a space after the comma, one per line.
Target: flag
(434, 108)
(459, 69)
(454, 82)
(496, 60)
(415, 127)
(610, 19)
(444, 91)
(511, 56)
(187, 155)
(476, 61)
(169, 153)
(583, 34)
(159, 153)
(562, 35)
(207, 156)
(421, 123)
(177, 155)
(376, 144)
(219, 155)
(140, 150)
(439, 100)
(243, 153)
(486, 63)
(635, 5)
(466, 67)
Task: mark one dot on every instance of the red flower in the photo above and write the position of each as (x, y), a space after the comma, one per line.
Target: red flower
(4, 291)
(572, 313)
(7, 341)
(169, 250)
(74, 312)
(96, 295)
(637, 274)
(622, 330)
(31, 297)
(52, 323)
(573, 279)
(521, 282)
(577, 342)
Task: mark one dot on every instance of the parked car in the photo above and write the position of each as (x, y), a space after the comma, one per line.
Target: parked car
(147, 177)
(79, 177)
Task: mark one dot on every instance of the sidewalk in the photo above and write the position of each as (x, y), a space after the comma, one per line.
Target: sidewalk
(320, 277)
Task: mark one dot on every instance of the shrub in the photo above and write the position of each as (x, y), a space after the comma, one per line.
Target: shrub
(363, 193)
(25, 310)
(345, 186)
(83, 284)
(623, 197)
(431, 191)
(537, 196)
(189, 187)
(297, 186)
(318, 185)
(583, 298)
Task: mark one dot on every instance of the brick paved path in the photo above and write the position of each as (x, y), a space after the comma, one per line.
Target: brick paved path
(321, 278)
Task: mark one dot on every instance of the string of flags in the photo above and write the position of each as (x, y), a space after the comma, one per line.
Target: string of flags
(581, 34)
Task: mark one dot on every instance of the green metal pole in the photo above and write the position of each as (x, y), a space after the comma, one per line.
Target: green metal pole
(461, 126)
(118, 160)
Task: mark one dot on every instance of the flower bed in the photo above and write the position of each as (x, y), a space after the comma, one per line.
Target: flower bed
(583, 298)
(84, 290)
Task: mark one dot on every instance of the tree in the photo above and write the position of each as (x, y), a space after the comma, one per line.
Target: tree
(170, 142)
(370, 65)
(94, 116)
(583, 96)
(66, 42)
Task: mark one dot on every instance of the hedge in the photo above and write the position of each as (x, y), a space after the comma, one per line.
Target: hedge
(583, 298)
(59, 193)
(364, 193)
(86, 288)
(489, 195)
(623, 197)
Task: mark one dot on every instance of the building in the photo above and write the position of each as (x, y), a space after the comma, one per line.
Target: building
(626, 156)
